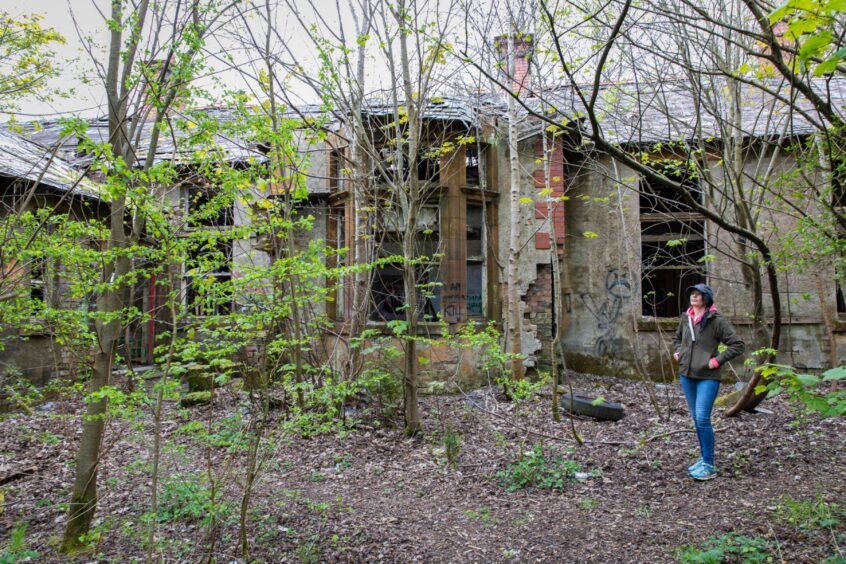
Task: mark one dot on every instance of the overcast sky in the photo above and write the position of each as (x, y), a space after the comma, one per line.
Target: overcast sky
(85, 18)
(75, 18)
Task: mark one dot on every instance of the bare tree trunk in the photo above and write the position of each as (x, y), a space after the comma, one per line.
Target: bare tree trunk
(410, 402)
(513, 317)
(361, 228)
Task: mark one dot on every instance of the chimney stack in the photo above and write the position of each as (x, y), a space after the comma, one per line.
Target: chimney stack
(523, 45)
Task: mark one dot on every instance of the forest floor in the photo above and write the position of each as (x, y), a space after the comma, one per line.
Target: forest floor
(371, 494)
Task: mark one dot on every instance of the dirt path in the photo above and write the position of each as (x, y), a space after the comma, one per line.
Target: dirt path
(373, 495)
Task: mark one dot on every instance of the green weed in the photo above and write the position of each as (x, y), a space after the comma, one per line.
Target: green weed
(484, 515)
(15, 550)
(452, 445)
(534, 469)
(809, 514)
(588, 503)
(719, 549)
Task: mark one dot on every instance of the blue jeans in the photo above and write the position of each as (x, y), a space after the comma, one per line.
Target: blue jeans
(700, 395)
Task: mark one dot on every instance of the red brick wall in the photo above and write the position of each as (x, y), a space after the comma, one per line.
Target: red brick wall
(556, 183)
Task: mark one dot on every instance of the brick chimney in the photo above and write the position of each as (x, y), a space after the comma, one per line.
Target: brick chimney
(523, 46)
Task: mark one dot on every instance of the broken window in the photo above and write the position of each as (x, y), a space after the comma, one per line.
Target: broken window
(208, 266)
(472, 165)
(36, 280)
(475, 260)
(336, 170)
(208, 277)
(672, 246)
(387, 289)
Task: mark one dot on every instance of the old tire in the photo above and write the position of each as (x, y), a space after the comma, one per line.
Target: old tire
(584, 405)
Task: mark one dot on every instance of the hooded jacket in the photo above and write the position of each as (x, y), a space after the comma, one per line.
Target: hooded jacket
(697, 341)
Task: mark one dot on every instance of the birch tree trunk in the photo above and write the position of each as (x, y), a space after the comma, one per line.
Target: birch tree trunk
(512, 301)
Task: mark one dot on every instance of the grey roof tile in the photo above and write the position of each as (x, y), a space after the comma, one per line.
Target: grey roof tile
(24, 159)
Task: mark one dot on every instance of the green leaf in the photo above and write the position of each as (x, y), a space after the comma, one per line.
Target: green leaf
(825, 67)
(780, 12)
(590, 235)
(808, 380)
(815, 44)
(834, 374)
(835, 6)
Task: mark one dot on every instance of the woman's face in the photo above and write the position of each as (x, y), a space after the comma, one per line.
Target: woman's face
(696, 299)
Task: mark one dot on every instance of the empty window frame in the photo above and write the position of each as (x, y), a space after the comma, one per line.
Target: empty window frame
(672, 246)
(336, 170)
(208, 267)
(208, 279)
(387, 286)
(473, 166)
(476, 267)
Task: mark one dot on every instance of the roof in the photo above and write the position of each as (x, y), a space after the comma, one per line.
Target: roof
(20, 158)
(448, 109)
(177, 142)
(677, 109)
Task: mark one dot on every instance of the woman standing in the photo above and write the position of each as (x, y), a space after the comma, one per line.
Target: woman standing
(701, 330)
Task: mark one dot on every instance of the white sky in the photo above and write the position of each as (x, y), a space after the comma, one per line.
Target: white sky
(88, 99)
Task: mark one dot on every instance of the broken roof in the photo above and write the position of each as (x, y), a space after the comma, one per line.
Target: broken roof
(177, 142)
(20, 158)
(448, 109)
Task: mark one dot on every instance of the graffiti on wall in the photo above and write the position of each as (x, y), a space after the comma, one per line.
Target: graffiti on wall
(618, 288)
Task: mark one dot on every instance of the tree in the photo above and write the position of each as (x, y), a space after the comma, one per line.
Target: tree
(27, 58)
(139, 94)
(390, 139)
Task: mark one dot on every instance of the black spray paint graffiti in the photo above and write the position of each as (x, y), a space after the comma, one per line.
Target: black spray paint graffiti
(608, 314)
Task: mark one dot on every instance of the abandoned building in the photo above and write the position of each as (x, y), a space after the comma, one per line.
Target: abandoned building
(33, 178)
(627, 249)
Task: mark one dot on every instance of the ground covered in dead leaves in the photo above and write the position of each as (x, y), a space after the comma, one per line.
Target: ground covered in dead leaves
(371, 495)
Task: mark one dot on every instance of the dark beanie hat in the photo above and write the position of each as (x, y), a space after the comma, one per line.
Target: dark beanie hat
(706, 292)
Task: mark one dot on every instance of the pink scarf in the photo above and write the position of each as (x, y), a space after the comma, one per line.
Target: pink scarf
(697, 318)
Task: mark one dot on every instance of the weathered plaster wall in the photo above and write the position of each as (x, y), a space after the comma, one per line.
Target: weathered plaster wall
(531, 345)
(603, 261)
(607, 333)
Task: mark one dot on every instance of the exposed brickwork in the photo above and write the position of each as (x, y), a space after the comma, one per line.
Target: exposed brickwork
(556, 183)
(539, 311)
(541, 240)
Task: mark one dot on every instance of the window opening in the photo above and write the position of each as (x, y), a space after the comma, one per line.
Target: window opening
(475, 260)
(36, 280)
(472, 166)
(208, 208)
(672, 245)
(336, 176)
(387, 289)
(208, 279)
